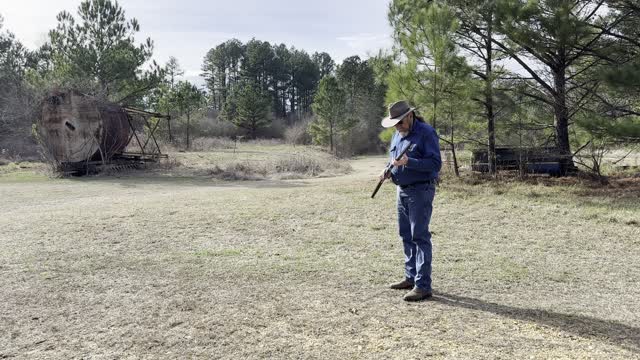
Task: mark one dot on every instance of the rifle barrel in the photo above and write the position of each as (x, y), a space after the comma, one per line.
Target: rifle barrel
(388, 169)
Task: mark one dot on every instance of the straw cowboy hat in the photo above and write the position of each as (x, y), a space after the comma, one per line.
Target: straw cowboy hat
(397, 111)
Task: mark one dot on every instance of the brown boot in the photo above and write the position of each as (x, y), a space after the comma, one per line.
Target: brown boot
(417, 294)
(402, 285)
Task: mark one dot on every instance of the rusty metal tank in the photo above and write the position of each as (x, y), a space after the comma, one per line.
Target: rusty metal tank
(75, 127)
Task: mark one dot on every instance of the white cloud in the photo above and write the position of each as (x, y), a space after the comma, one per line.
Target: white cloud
(365, 44)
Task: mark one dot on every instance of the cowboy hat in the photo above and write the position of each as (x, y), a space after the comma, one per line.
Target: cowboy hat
(397, 111)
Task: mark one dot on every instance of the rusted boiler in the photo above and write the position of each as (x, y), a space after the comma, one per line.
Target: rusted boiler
(77, 128)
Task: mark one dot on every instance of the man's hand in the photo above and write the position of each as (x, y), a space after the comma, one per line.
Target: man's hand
(402, 162)
(384, 176)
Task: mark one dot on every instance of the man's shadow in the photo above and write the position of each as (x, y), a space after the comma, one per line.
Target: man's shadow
(615, 333)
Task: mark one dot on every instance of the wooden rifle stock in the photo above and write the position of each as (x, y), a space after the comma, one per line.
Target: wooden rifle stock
(387, 170)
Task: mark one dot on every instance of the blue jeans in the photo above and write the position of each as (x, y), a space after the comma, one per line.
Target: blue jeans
(415, 204)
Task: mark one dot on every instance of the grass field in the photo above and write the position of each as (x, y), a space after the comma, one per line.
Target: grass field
(164, 266)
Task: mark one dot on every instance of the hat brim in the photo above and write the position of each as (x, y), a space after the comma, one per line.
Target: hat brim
(392, 121)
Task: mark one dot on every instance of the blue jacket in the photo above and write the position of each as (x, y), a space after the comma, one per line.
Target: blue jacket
(424, 155)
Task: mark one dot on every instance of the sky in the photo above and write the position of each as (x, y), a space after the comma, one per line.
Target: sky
(187, 29)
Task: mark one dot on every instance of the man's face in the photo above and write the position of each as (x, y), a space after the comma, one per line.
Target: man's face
(403, 126)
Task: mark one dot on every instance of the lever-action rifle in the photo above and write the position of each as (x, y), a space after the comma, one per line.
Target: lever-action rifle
(387, 170)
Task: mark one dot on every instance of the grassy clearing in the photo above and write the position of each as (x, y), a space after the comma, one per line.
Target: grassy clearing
(257, 161)
(169, 267)
(23, 172)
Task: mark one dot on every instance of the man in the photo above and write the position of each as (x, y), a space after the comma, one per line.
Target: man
(415, 175)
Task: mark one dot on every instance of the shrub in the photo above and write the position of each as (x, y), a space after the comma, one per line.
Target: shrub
(275, 130)
(290, 167)
(216, 127)
(298, 164)
(211, 143)
(297, 133)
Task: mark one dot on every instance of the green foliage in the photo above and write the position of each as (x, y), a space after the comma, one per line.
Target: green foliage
(257, 62)
(426, 38)
(330, 109)
(248, 108)
(364, 100)
(221, 70)
(567, 47)
(172, 70)
(304, 77)
(559, 42)
(186, 97)
(626, 77)
(99, 49)
(16, 98)
(324, 63)
(625, 129)
(289, 76)
(434, 77)
(386, 135)
(229, 110)
(13, 57)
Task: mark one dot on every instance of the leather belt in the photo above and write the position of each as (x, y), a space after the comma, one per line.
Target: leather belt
(430, 182)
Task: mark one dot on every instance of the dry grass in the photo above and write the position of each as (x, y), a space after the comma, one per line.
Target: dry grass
(183, 267)
(211, 144)
(256, 160)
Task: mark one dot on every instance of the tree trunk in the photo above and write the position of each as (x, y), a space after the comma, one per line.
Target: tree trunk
(491, 151)
(521, 167)
(453, 152)
(435, 94)
(284, 103)
(561, 121)
(169, 126)
(188, 126)
(331, 137)
(293, 100)
(224, 88)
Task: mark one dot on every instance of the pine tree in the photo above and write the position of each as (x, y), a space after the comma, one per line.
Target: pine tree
(100, 49)
(249, 108)
(329, 106)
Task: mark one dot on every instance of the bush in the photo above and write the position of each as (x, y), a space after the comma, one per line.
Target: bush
(297, 134)
(361, 139)
(275, 130)
(291, 167)
(19, 148)
(208, 144)
(298, 164)
(216, 127)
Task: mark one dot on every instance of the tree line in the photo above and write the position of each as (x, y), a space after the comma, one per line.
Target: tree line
(572, 83)
(561, 73)
(95, 51)
(287, 75)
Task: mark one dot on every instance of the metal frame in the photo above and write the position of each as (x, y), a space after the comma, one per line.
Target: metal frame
(154, 153)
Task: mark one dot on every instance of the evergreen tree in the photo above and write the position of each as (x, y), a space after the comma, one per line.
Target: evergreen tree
(14, 94)
(324, 63)
(221, 70)
(330, 108)
(100, 49)
(172, 70)
(555, 42)
(248, 108)
(365, 100)
(187, 98)
(426, 38)
(475, 37)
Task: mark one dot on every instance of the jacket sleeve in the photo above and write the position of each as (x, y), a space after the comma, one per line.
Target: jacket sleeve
(431, 161)
(394, 170)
